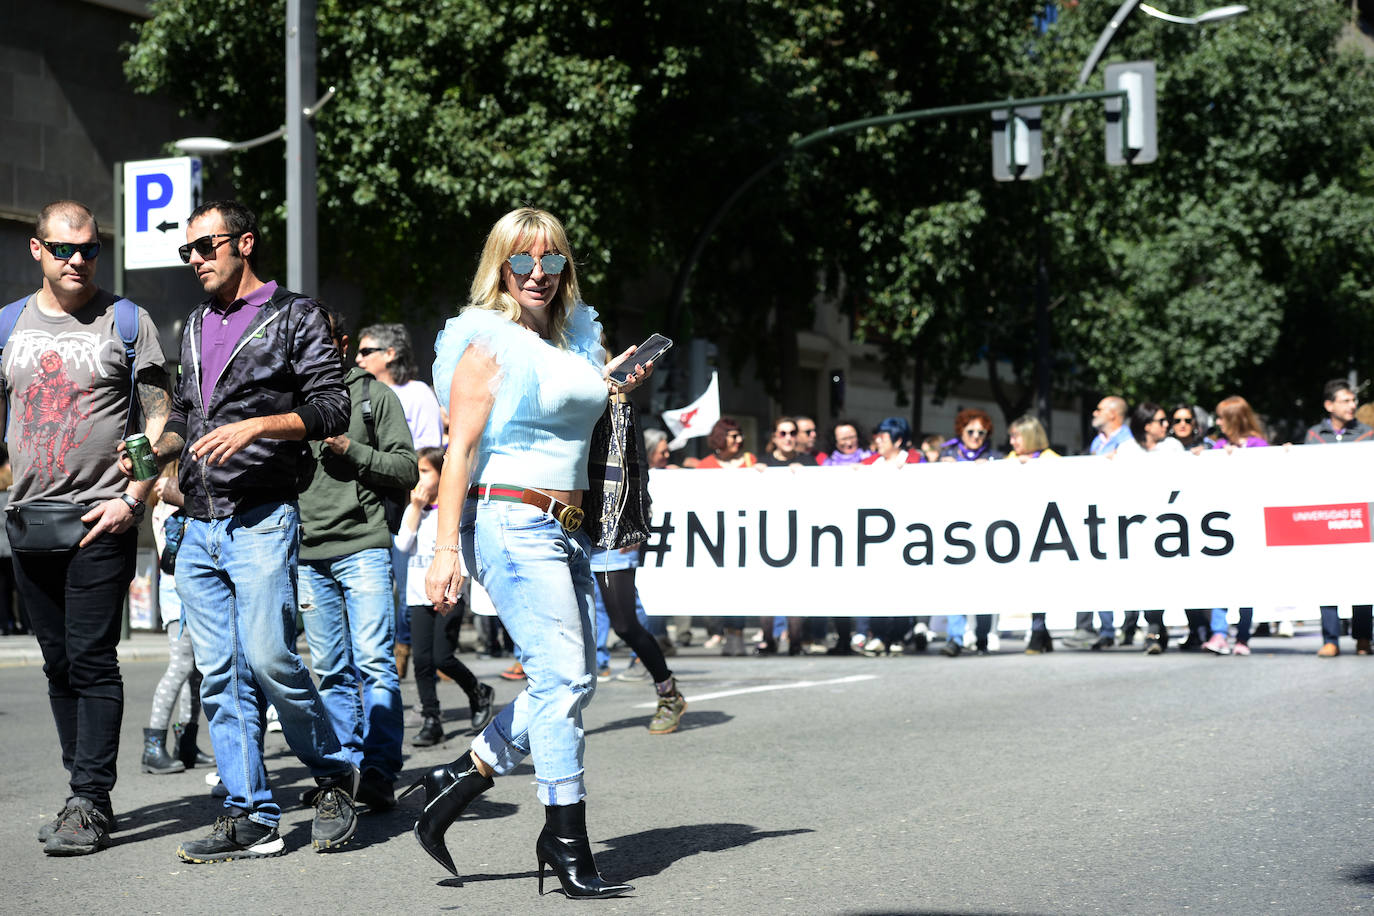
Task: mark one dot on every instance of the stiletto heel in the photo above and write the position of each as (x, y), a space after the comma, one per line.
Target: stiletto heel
(563, 844)
(453, 791)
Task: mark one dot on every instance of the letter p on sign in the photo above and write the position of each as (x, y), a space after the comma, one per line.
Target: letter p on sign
(159, 195)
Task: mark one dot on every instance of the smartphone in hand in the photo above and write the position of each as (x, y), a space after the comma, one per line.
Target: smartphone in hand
(651, 349)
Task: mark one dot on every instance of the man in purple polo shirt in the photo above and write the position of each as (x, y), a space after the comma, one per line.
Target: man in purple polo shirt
(260, 374)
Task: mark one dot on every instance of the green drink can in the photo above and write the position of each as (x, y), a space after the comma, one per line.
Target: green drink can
(140, 453)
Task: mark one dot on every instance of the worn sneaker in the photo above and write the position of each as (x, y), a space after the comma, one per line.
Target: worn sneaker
(1240, 648)
(81, 830)
(603, 674)
(633, 672)
(273, 722)
(1217, 645)
(668, 714)
(51, 826)
(233, 838)
(335, 819)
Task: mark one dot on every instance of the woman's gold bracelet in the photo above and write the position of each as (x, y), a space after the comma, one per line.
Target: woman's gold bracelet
(454, 547)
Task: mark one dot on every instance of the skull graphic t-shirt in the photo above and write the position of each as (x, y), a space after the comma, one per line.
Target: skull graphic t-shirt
(68, 385)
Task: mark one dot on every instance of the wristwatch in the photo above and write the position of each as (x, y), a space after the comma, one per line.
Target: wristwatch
(135, 505)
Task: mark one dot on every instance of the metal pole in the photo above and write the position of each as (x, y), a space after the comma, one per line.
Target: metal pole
(302, 250)
(118, 227)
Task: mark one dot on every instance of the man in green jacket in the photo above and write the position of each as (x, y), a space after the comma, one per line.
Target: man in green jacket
(345, 587)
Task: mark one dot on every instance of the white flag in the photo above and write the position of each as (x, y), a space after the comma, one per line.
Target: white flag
(696, 419)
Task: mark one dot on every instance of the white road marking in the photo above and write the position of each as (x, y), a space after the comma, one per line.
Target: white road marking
(699, 697)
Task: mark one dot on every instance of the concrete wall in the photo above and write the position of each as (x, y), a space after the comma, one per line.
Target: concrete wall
(66, 117)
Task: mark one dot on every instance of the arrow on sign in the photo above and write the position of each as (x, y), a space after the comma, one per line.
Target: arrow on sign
(164, 226)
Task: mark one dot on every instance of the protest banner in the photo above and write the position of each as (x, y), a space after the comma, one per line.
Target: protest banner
(1279, 530)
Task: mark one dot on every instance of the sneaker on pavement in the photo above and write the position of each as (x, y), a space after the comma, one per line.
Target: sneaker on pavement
(1328, 650)
(1079, 639)
(603, 674)
(51, 826)
(633, 672)
(873, 647)
(1240, 648)
(273, 722)
(994, 642)
(951, 649)
(713, 641)
(668, 714)
(81, 830)
(856, 642)
(1217, 645)
(1362, 647)
(1286, 629)
(1102, 642)
(335, 818)
(233, 838)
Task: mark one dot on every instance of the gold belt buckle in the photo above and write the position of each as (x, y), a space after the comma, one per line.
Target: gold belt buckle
(570, 517)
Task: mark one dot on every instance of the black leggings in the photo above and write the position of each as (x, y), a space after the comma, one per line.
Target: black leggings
(433, 637)
(618, 593)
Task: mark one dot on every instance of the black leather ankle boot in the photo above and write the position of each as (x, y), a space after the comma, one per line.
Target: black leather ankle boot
(563, 844)
(453, 789)
(155, 757)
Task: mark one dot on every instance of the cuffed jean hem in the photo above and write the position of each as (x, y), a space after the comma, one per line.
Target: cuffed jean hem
(567, 791)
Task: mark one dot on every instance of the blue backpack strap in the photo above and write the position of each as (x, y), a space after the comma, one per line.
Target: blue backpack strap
(9, 315)
(126, 323)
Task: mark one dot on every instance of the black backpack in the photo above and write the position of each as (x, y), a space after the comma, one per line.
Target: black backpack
(394, 499)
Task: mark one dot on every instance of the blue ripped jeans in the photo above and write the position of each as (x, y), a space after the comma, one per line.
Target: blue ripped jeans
(540, 580)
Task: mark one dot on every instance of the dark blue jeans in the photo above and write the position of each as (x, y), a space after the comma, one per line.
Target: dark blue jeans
(1361, 622)
(75, 602)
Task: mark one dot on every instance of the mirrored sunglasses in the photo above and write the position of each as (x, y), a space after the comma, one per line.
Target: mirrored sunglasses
(551, 264)
(66, 250)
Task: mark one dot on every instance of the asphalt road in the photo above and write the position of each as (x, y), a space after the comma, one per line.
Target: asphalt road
(1078, 782)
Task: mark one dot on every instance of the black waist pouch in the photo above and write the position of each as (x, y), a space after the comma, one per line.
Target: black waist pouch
(46, 526)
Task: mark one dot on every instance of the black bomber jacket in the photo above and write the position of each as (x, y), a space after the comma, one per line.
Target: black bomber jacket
(285, 362)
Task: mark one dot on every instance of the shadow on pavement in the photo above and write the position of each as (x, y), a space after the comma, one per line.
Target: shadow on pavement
(649, 852)
(691, 721)
(1359, 874)
(638, 855)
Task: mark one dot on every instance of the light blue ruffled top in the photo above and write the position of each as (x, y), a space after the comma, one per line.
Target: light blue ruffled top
(547, 399)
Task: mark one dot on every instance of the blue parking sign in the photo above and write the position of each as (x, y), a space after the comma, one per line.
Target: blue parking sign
(159, 195)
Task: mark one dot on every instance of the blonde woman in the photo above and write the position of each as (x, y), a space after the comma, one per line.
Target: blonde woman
(1028, 443)
(525, 380)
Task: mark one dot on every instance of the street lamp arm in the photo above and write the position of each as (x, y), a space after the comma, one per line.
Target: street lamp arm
(1105, 39)
(209, 146)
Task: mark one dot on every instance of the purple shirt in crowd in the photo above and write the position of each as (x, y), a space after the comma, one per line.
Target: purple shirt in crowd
(221, 331)
(839, 458)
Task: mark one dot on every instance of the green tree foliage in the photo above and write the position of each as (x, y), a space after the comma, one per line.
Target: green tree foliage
(1231, 263)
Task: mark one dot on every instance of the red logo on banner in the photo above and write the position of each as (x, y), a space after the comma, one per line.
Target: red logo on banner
(1300, 526)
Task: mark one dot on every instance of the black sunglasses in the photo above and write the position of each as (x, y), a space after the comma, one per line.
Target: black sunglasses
(368, 351)
(1178, 420)
(64, 251)
(204, 246)
(551, 264)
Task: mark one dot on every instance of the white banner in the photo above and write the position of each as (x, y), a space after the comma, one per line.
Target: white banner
(1283, 531)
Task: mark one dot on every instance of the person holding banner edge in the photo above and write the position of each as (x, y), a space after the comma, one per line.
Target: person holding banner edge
(1341, 426)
